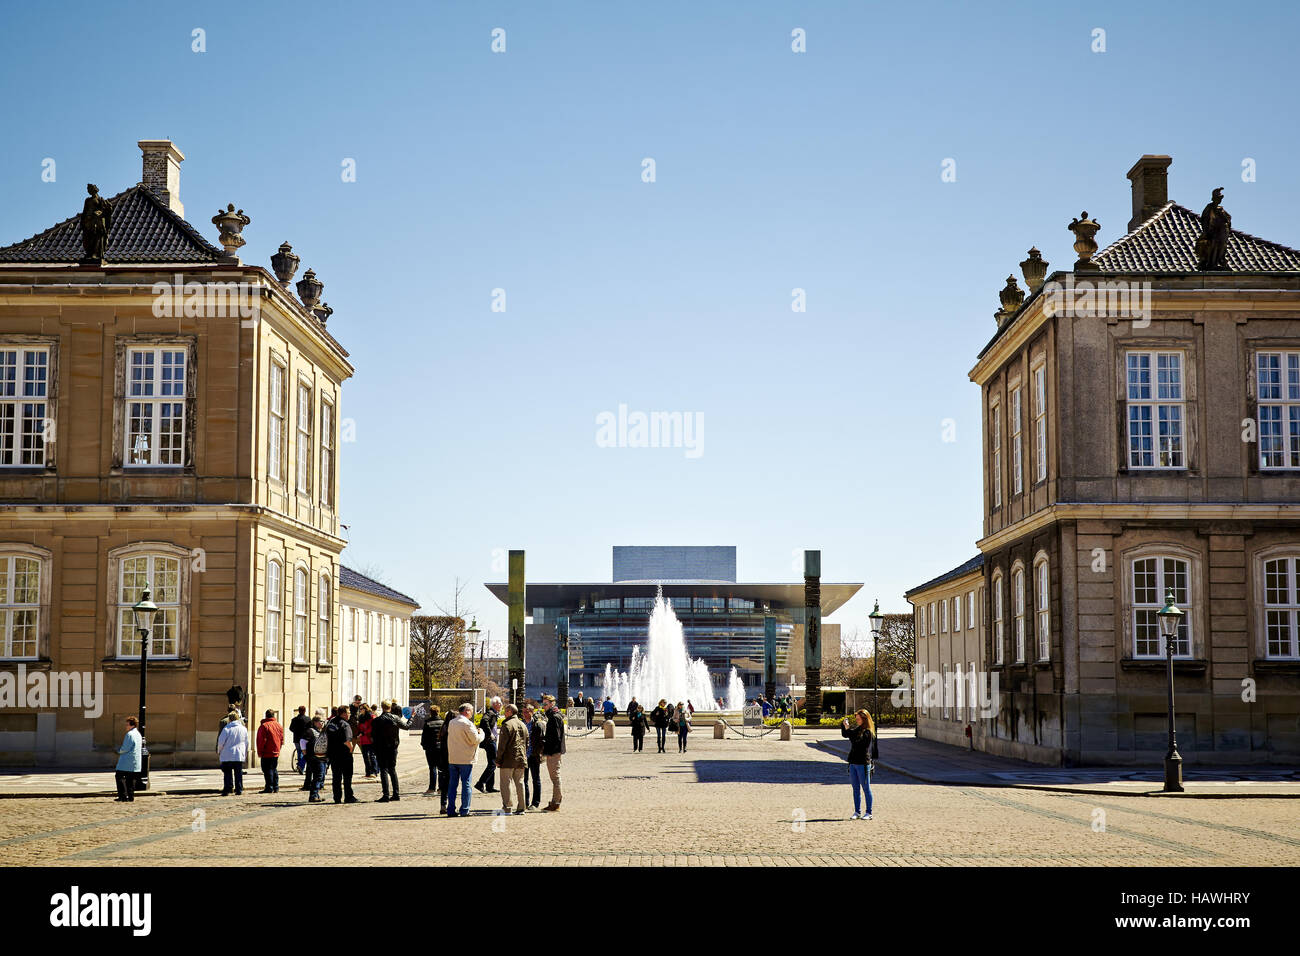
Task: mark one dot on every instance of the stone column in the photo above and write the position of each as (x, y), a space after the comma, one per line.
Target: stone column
(812, 636)
(562, 661)
(769, 657)
(515, 599)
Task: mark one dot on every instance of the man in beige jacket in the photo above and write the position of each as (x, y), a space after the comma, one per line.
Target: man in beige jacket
(462, 744)
(512, 757)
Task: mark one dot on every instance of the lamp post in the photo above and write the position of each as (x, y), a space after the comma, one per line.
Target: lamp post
(471, 638)
(1170, 617)
(143, 612)
(876, 619)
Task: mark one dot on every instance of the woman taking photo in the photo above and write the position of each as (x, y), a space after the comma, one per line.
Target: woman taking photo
(860, 737)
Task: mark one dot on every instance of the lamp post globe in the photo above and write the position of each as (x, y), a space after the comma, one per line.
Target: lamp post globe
(142, 613)
(877, 621)
(1170, 617)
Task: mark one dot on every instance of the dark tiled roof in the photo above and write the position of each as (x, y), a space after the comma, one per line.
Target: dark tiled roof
(1167, 243)
(143, 230)
(971, 565)
(359, 582)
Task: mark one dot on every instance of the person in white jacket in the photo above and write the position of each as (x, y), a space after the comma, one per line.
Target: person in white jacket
(463, 739)
(232, 751)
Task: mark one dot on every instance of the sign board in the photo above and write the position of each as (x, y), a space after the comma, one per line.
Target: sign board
(576, 718)
(753, 715)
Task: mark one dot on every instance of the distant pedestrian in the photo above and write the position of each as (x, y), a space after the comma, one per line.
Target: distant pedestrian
(631, 707)
(553, 749)
(683, 717)
(512, 758)
(860, 736)
(298, 729)
(690, 708)
(435, 754)
(270, 738)
(232, 751)
(659, 717)
(487, 781)
(316, 755)
(463, 739)
(638, 720)
(364, 728)
(128, 762)
(536, 741)
(608, 708)
(386, 731)
(341, 743)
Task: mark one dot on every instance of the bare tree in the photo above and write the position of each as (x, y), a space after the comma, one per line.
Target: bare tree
(437, 649)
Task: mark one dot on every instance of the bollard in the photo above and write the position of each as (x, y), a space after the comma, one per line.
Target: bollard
(609, 730)
(719, 730)
(786, 730)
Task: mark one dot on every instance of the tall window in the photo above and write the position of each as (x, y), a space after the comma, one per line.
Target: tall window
(1155, 410)
(299, 615)
(1018, 607)
(1040, 423)
(362, 689)
(304, 439)
(1151, 578)
(995, 439)
(275, 425)
(1279, 409)
(947, 690)
(932, 630)
(1042, 604)
(970, 608)
(920, 621)
(155, 407)
(163, 575)
(362, 631)
(1017, 450)
(348, 615)
(326, 454)
(956, 613)
(997, 619)
(325, 606)
(20, 606)
(972, 698)
(24, 388)
(1281, 607)
(943, 616)
(274, 607)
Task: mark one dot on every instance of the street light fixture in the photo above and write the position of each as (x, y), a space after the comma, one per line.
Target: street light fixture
(472, 638)
(143, 612)
(877, 620)
(1170, 617)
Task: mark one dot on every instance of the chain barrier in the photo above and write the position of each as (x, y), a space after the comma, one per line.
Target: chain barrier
(741, 733)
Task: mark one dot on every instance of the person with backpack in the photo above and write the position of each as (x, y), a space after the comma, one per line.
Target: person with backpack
(861, 740)
(435, 754)
(270, 738)
(315, 755)
(232, 751)
(659, 717)
(340, 743)
(683, 720)
(553, 749)
(387, 731)
(637, 718)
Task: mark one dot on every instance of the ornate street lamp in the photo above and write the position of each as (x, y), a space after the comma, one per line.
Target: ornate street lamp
(143, 612)
(472, 638)
(1170, 617)
(877, 619)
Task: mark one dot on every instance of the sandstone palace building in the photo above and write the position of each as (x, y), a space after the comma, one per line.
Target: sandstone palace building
(168, 415)
(1141, 432)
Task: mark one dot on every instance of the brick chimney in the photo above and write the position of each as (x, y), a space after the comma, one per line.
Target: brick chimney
(162, 172)
(1150, 176)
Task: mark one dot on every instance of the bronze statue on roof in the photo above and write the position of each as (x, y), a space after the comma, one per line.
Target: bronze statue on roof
(1216, 225)
(96, 218)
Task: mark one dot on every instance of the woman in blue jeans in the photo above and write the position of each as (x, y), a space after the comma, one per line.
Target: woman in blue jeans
(860, 737)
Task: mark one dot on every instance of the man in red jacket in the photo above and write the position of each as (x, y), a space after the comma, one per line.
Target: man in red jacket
(270, 737)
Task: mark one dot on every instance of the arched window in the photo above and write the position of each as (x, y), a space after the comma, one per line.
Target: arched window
(162, 574)
(325, 602)
(1282, 606)
(1152, 577)
(21, 599)
(300, 615)
(274, 607)
(1042, 604)
(997, 619)
(1018, 608)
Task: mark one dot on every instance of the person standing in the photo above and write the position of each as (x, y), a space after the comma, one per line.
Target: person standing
(232, 751)
(364, 727)
(315, 761)
(487, 781)
(632, 705)
(536, 740)
(298, 730)
(553, 749)
(683, 718)
(860, 736)
(338, 732)
(512, 758)
(590, 704)
(434, 753)
(659, 717)
(387, 735)
(128, 762)
(463, 739)
(638, 720)
(608, 709)
(270, 738)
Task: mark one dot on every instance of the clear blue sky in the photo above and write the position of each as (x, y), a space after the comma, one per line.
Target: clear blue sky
(775, 170)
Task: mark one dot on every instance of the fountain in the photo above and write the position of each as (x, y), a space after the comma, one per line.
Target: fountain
(663, 669)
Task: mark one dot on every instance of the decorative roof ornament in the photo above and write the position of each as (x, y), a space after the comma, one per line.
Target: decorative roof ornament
(322, 312)
(1216, 226)
(1085, 245)
(285, 264)
(96, 218)
(1011, 296)
(310, 289)
(230, 224)
(1034, 269)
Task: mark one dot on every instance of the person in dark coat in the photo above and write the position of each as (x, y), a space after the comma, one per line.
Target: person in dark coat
(387, 733)
(298, 729)
(659, 717)
(638, 720)
(536, 740)
(434, 754)
(590, 704)
(860, 736)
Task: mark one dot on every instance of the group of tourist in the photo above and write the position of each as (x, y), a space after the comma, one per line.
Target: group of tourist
(665, 718)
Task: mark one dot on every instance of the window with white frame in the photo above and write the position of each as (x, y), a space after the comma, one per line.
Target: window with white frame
(1278, 387)
(1152, 577)
(299, 616)
(995, 443)
(274, 607)
(943, 616)
(959, 691)
(350, 685)
(947, 690)
(20, 606)
(325, 606)
(275, 424)
(1043, 606)
(1017, 449)
(956, 613)
(970, 608)
(303, 448)
(327, 454)
(155, 407)
(920, 621)
(972, 696)
(1018, 608)
(1282, 607)
(1155, 410)
(162, 575)
(362, 630)
(932, 630)
(24, 391)
(997, 619)
(362, 689)
(1040, 423)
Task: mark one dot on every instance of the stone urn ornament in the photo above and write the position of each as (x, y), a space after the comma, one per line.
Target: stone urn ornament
(1011, 296)
(1034, 269)
(285, 264)
(310, 289)
(230, 224)
(1085, 245)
